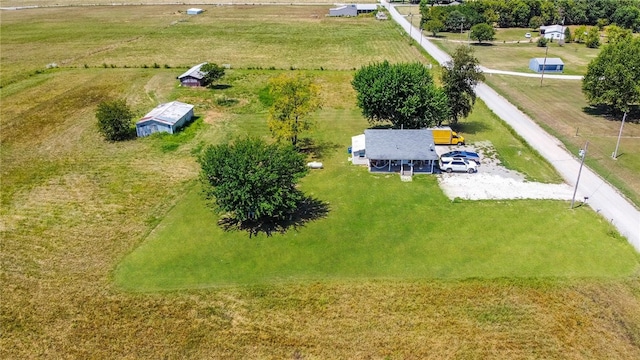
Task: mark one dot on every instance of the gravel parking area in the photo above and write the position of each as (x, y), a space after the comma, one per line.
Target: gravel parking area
(494, 181)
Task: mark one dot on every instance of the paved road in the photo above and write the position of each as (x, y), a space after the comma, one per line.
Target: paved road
(603, 198)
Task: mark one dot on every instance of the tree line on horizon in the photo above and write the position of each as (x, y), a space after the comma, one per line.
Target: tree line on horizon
(533, 13)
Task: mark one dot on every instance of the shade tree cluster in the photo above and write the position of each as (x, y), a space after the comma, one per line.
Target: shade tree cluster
(405, 96)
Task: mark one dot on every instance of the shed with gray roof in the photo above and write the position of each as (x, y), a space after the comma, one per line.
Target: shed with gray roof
(404, 151)
(167, 117)
(549, 65)
(352, 9)
(193, 76)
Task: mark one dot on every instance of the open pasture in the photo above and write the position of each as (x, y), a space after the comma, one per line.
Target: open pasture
(73, 207)
(241, 36)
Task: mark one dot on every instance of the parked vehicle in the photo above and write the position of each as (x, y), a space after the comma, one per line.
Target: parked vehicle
(445, 136)
(458, 164)
(469, 155)
(527, 35)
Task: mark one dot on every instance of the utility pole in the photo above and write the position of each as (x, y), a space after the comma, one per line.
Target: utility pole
(615, 152)
(544, 64)
(583, 154)
(461, 24)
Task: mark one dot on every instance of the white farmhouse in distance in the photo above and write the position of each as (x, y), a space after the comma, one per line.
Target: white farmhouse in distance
(552, 32)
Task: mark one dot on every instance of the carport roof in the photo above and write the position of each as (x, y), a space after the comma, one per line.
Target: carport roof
(395, 144)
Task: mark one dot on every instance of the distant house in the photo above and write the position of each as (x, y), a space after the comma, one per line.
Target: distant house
(403, 151)
(194, 11)
(193, 76)
(552, 32)
(550, 65)
(353, 9)
(167, 117)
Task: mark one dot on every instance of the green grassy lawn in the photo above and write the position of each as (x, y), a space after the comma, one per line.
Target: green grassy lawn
(565, 115)
(405, 237)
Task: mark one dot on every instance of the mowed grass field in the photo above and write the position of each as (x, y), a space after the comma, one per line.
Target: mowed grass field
(78, 212)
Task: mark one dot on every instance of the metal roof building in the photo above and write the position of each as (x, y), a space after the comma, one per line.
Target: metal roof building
(353, 9)
(167, 117)
(550, 65)
(193, 76)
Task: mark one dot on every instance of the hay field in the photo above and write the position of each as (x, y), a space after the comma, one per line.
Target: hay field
(73, 206)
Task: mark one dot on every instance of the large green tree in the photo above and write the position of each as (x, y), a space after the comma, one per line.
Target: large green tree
(114, 120)
(295, 98)
(213, 72)
(250, 180)
(482, 32)
(402, 94)
(613, 77)
(434, 26)
(459, 77)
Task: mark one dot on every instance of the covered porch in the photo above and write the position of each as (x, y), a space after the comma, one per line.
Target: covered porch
(404, 167)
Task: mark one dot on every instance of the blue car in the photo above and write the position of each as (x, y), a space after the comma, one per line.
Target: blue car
(469, 155)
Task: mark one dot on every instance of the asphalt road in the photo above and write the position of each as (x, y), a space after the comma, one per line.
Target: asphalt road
(602, 197)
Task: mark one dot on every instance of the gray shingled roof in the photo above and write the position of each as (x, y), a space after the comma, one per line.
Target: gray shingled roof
(194, 72)
(394, 144)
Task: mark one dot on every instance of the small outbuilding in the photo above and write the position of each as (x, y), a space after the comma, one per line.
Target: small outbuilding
(357, 150)
(552, 32)
(401, 151)
(193, 76)
(549, 65)
(194, 11)
(167, 117)
(353, 9)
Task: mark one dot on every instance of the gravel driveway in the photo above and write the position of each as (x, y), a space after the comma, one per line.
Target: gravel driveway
(494, 181)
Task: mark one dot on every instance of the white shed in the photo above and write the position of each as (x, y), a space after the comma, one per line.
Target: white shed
(358, 155)
(167, 117)
(194, 11)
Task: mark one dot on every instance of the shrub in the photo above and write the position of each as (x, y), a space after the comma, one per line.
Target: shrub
(542, 42)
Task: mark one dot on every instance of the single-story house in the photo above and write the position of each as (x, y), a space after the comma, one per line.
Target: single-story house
(194, 11)
(193, 76)
(550, 65)
(353, 9)
(405, 151)
(357, 150)
(552, 32)
(167, 117)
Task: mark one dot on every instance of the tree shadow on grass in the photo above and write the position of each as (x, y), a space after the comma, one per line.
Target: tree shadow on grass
(309, 209)
(316, 149)
(219, 86)
(470, 127)
(607, 113)
(481, 44)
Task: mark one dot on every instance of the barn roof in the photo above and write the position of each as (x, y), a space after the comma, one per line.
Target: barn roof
(550, 61)
(194, 72)
(394, 144)
(167, 113)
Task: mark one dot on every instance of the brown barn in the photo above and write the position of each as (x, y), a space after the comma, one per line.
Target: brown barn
(193, 76)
